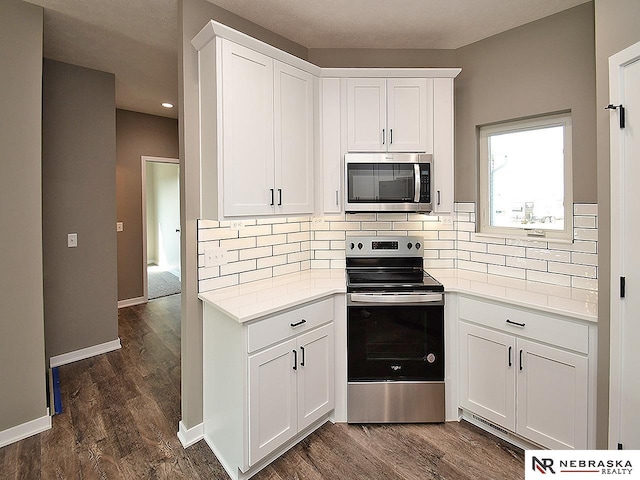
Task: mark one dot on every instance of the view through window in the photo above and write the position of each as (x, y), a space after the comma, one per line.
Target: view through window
(525, 189)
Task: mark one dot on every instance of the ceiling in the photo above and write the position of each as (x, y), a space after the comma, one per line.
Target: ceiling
(137, 40)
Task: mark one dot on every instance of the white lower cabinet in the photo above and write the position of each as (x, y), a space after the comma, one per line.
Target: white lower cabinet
(267, 382)
(290, 387)
(538, 391)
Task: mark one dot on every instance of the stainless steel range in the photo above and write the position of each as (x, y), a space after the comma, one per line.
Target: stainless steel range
(395, 333)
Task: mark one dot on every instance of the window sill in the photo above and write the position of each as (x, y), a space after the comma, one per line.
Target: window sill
(525, 238)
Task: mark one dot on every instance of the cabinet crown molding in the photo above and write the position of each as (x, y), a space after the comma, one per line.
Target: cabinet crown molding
(215, 29)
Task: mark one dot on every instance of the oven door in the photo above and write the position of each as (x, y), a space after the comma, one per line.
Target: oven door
(395, 341)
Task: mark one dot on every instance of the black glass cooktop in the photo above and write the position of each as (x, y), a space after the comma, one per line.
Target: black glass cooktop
(391, 279)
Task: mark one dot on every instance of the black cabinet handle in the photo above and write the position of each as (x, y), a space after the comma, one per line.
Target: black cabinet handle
(390, 136)
(520, 359)
(272, 192)
(279, 196)
(297, 324)
(383, 136)
(515, 323)
(302, 361)
(295, 359)
(509, 355)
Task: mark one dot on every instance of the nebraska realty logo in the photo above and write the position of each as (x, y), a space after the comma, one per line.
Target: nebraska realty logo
(581, 464)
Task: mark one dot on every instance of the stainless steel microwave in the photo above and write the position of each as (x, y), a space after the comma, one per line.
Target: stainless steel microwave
(388, 182)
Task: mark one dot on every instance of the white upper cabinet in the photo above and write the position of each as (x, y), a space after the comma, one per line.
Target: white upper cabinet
(248, 129)
(443, 145)
(394, 115)
(294, 121)
(329, 173)
(256, 134)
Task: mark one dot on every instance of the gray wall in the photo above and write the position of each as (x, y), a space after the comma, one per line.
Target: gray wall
(192, 16)
(137, 134)
(542, 67)
(79, 195)
(616, 28)
(22, 362)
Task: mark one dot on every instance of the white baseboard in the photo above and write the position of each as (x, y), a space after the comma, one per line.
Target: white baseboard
(83, 353)
(20, 432)
(189, 436)
(130, 302)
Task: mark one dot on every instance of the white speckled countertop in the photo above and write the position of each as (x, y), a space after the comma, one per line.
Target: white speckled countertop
(264, 297)
(572, 302)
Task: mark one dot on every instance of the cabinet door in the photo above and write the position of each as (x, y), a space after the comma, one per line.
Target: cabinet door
(443, 145)
(552, 396)
(247, 118)
(315, 375)
(488, 374)
(367, 115)
(331, 145)
(293, 123)
(410, 114)
(272, 399)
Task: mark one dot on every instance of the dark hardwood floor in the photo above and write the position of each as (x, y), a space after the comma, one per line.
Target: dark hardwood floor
(121, 412)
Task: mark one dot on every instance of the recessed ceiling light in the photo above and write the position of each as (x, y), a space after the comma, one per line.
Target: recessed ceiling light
(167, 105)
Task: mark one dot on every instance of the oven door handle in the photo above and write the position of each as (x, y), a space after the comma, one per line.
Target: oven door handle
(395, 297)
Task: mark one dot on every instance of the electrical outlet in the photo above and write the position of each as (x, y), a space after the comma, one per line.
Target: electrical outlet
(119, 226)
(236, 224)
(72, 240)
(214, 257)
(317, 220)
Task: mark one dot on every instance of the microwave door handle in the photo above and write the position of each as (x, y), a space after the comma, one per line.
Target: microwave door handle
(416, 180)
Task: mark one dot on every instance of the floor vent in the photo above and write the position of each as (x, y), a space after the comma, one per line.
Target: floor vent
(490, 424)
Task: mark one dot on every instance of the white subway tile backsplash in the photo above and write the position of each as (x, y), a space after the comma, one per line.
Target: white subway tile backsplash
(237, 267)
(506, 271)
(264, 248)
(510, 250)
(527, 263)
(286, 248)
(584, 258)
(546, 254)
(238, 243)
(545, 277)
(271, 240)
(488, 258)
(286, 228)
(585, 234)
(272, 261)
(585, 209)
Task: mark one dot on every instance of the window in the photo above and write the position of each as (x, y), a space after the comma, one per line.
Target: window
(525, 178)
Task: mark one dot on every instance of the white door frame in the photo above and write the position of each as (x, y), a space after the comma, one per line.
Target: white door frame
(144, 160)
(616, 135)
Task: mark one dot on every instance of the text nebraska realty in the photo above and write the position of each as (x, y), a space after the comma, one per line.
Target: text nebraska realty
(605, 467)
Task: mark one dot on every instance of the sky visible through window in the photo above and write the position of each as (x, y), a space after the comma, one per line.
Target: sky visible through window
(527, 178)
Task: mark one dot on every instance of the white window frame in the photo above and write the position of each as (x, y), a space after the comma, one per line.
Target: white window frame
(484, 227)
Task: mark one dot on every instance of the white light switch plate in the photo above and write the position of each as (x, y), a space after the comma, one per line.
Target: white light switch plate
(214, 257)
(119, 226)
(72, 240)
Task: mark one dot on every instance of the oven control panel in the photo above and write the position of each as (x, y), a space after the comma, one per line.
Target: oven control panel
(384, 247)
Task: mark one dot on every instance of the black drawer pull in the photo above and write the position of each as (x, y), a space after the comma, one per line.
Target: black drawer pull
(515, 323)
(293, 325)
(509, 355)
(295, 359)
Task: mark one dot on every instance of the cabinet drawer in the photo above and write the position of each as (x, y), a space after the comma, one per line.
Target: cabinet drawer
(279, 327)
(537, 326)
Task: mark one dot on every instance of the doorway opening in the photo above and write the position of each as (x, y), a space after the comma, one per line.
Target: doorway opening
(161, 226)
